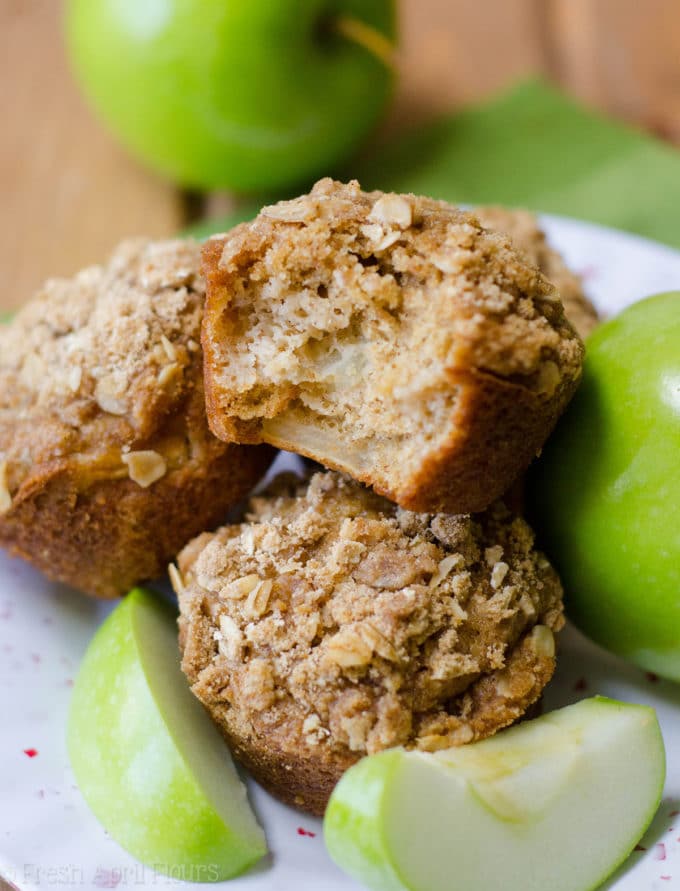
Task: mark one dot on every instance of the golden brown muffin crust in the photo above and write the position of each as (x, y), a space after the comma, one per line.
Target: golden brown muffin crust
(332, 624)
(389, 336)
(108, 466)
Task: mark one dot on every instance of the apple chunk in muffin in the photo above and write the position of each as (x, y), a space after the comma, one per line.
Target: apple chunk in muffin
(390, 337)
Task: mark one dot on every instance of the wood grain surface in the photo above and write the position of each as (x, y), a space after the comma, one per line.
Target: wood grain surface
(69, 193)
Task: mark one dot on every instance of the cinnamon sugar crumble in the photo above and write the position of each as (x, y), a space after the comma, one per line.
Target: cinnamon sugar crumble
(526, 234)
(101, 358)
(332, 618)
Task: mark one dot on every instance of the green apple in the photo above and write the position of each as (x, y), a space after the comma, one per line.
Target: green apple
(147, 758)
(556, 803)
(605, 495)
(240, 94)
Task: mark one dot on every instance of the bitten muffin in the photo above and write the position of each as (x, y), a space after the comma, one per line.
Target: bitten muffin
(388, 336)
(332, 624)
(107, 465)
(526, 234)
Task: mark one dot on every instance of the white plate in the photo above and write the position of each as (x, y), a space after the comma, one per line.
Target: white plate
(49, 838)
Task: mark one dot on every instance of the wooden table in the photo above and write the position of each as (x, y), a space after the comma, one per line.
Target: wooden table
(69, 193)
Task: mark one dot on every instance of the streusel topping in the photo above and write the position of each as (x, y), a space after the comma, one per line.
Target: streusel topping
(526, 234)
(340, 264)
(95, 364)
(334, 618)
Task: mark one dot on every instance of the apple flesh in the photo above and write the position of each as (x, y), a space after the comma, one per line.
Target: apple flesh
(249, 95)
(146, 756)
(558, 803)
(604, 497)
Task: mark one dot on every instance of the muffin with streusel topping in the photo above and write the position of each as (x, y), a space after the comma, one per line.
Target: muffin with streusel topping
(391, 337)
(107, 465)
(331, 624)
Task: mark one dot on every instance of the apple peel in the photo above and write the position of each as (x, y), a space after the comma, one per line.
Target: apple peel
(558, 802)
(147, 758)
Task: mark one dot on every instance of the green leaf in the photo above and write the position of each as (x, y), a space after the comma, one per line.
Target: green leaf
(534, 147)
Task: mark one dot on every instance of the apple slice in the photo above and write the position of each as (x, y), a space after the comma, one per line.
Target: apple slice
(558, 803)
(146, 756)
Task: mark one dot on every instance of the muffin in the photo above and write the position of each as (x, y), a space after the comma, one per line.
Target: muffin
(526, 234)
(390, 337)
(107, 465)
(331, 624)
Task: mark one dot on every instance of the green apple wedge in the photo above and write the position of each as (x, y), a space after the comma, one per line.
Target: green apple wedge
(558, 802)
(147, 758)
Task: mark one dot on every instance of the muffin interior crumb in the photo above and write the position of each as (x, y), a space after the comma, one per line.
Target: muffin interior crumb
(343, 320)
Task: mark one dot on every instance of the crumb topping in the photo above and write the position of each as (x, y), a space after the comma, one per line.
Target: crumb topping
(96, 364)
(372, 270)
(331, 617)
(526, 234)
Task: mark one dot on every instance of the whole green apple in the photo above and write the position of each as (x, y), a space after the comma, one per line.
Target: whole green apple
(147, 757)
(556, 803)
(240, 94)
(605, 494)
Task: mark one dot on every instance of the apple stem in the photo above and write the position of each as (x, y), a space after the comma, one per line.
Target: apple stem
(367, 36)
